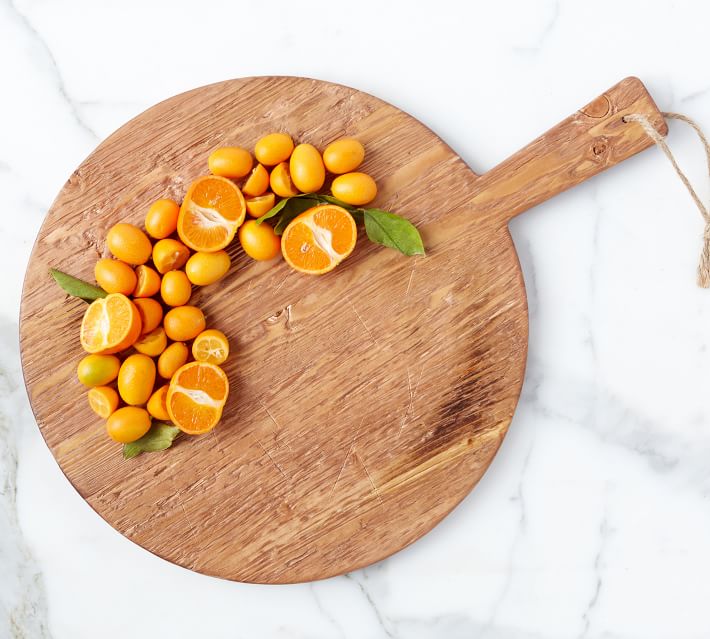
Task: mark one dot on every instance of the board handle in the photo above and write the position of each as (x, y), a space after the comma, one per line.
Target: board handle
(587, 142)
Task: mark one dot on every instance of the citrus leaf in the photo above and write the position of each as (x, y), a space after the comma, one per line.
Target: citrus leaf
(76, 287)
(279, 206)
(293, 209)
(334, 200)
(393, 231)
(159, 437)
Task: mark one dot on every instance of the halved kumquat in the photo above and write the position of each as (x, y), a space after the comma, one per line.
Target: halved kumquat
(147, 281)
(103, 400)
(211, 346)
(151, 313)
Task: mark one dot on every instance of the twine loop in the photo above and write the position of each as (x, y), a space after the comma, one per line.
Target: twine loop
(704, 264)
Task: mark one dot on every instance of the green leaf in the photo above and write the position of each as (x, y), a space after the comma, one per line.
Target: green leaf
(393, 231)
(76, 287)
(287, 201)
(159, 437)
(293, 209)
(334, 200)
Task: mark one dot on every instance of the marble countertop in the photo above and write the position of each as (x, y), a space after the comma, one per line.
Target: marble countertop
(594, 519)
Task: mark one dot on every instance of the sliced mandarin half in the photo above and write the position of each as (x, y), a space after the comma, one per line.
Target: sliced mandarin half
(319, 239)
(111, 324)
(210, 214)
(196, 397)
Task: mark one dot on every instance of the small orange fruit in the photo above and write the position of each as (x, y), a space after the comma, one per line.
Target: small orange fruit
(103, 400)
(175, 289)
(128, 424)
(161, 219)
(211, 346)
(172, 358)
(153, 343)
(128, 243)
(207, 268)
(147, 281)
(115, 276)
(98, 370)
(354, 188)
(210, 214)
(258, 206)
(230, 162)
(273, 148)
(151, 313)
(306, 168)
(257, 182)
(169, 254)
(136, 379)
(111, 324)
(196, 397)
(259, 240)
(156, 404)
(319, 239)
(184, 323)
(280, 181)
(343, 156)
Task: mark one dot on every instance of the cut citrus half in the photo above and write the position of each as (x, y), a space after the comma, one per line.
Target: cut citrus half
(196, 397)
(211, 346)
(210, 214)
(111, 324)
(319, 239)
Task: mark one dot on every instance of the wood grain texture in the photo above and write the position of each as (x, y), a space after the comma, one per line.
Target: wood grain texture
(366, 403)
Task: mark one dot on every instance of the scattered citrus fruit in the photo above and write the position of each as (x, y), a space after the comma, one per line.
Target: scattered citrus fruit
(257, 206)
(354, 188)
(115, 276)
(169, 254)
(161, 219)
(172, 358)
(343, 156)
(211, 346)
(136, 379)
(230, 162)
(128, 243)
(319, 239)
(151, 313)
(273, 148)
(306, 168)
(103, 400)
(153, 343)
(203, 269)
(196, 397)
(148, 281)
(175, 289)
(210, 214)
(98, 370)
(184, 323)
(259, 240)
(280, 181)
(156, 404)
(128, 424)
(257, 182)
(111, 324)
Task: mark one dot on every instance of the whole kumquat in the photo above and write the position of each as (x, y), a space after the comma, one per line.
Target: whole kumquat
(128, 243)
(161, 219)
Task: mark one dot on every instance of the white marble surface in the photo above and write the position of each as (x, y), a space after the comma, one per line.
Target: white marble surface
(594, 519)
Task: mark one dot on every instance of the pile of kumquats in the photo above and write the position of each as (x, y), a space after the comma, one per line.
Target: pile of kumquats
(153, 367)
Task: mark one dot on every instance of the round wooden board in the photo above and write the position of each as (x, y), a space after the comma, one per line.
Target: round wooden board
(364, 405)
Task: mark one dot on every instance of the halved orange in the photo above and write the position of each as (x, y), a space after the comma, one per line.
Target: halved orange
(196, 397)
(319, 239)
(210, 214)
(111, 324)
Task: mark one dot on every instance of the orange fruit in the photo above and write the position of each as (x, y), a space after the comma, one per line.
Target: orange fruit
(115, 276)
(207, 268)
(148, 281)
(354, 188)
(128, 424)
(230, 162)
(257, 182)
(151, 313)
(259, 240)
(306, 168)
(111, 324)
(172, 358)
(343, 156)
(210, 214)
(136, 379)
(169, 254)
(153, 343)
(257, 206)
(281, 182)
(128, 243)
(161, 219)
(273, 148)
(175, 288)
(196, 397)
(319, 239)
(184, 323)
(211, 346)
(156, 404)
(103, 400)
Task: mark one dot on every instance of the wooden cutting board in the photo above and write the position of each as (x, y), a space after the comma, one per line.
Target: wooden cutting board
(365, 403)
